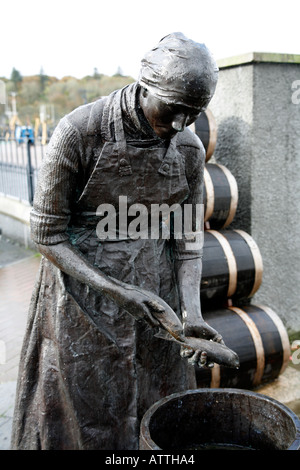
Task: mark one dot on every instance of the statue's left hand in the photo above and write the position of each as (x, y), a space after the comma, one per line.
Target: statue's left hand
(200, 330)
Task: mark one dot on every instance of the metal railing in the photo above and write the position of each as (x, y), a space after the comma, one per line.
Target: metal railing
(19, 166)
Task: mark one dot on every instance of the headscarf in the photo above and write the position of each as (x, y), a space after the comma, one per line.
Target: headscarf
(180, 71)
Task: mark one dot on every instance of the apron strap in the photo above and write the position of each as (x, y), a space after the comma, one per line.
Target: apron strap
(123, 158)
(166, 164)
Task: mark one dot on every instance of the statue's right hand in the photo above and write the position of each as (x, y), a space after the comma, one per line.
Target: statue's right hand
(139, 303)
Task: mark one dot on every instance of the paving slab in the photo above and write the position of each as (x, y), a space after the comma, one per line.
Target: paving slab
(7, 401)
(18, 269)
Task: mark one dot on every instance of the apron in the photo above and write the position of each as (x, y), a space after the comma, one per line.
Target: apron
(89, 370)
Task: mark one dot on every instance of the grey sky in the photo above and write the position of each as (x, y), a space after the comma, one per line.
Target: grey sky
(72, 38)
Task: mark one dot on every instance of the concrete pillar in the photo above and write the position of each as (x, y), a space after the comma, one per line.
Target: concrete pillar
(257, 110)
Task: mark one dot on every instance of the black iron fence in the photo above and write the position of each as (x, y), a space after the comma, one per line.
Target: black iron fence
(19, 166)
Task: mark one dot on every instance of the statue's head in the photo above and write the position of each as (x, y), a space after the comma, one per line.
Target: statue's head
(178, 74)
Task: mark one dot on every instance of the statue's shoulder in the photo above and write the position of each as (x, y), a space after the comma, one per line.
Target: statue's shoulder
(87, 118)
(188, 138)
(192, 150)
(189, 143)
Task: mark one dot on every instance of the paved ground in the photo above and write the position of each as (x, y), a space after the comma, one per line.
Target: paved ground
(18, 268)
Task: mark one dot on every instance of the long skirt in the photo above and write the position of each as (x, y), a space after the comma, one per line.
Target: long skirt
(88, 370)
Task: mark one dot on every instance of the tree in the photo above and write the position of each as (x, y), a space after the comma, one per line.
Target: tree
(96, 73)
(16, 78)
(119, 72)
(61, 96)
(43, 80)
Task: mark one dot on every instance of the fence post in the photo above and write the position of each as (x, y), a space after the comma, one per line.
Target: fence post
(29, 173)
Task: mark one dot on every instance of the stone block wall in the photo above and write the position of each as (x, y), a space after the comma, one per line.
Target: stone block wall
(259, 142)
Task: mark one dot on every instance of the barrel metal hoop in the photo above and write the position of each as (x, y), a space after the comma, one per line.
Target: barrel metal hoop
(215, 376)
(232, 267)
(234, 194)
(258, 344)
(257, 258)
(213, 131)
(286, 349)
(210, 195)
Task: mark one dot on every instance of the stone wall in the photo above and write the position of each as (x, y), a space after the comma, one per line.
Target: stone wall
(259, 142)
(14, 220)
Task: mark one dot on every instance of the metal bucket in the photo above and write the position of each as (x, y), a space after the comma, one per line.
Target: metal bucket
(219, 419)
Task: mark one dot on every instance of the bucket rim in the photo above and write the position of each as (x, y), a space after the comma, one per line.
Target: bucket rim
(145, 422)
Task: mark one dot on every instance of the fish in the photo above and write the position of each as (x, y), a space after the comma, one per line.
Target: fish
(172, 330)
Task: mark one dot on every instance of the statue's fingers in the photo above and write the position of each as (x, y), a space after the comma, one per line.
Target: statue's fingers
(218, 339)
(202, 359)
(155, 306)
(195, 359)
(186, 352)
(152, 320)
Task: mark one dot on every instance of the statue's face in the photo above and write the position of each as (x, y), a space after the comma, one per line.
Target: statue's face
(167, 119)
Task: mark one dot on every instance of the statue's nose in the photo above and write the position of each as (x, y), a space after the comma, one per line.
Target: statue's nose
(179, 122)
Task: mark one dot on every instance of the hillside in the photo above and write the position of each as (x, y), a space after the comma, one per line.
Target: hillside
(45, 98)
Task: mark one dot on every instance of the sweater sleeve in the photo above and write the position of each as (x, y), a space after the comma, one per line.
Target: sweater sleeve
(190, 244)
(56, 186)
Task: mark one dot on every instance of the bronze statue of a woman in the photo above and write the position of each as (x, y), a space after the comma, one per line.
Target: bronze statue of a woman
(91, 365)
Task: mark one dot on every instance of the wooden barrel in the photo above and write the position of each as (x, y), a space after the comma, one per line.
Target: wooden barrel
(220, 196)
(217, 419)
(258, 336)
(231, 267)
(206, 129)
